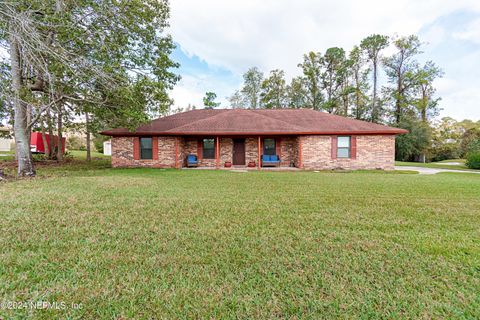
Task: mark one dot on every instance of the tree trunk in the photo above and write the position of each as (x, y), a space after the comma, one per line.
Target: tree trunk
(398, 107)
(60, 136)
(44, 140)
(87, 126)
(398, 98)
(50, 135)
(20, 128)
(424, 105)
(346, 98)
(374, 99)
(357, 95)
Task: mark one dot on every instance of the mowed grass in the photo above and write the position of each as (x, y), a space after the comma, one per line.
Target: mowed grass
(146, 243)
(438, 165)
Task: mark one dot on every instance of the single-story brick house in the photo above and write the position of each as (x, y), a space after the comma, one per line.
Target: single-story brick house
(218, 138)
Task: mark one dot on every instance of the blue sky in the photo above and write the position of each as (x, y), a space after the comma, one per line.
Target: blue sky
(217, 41)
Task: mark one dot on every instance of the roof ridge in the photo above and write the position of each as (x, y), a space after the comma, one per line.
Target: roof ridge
(182, 113)
(190, 123)
(345, 118)
(244, 111)
(272, 118)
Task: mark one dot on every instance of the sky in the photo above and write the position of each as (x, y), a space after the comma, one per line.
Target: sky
(218, 40)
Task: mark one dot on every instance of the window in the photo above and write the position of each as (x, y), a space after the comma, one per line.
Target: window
(209, 148)
(146, 148)
(343, 147)
(269, 147)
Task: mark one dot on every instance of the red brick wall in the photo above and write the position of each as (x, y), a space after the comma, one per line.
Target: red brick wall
(122, 153)
(373, 152)
(288, 147)
(251, 150)
(226, 149)
(189, 147)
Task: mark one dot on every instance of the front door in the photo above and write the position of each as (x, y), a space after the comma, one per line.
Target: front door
(238, 152)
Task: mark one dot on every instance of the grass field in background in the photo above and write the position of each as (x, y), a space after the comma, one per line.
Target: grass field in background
(143, 243)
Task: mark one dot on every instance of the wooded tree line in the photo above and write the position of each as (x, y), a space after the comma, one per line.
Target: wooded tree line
(347, 84)
(104, 61)
(453, 139)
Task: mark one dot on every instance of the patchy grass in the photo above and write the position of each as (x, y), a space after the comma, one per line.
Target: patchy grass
(438, 165)
(75, 154)
(82, 155)
(7, 156)
(146, 243)
(75, 161)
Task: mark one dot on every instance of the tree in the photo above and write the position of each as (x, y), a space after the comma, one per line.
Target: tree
(252, 83)
(372, 46)
(109, 57)
(425, 103)
(409, 146)
(446, 136)
(209, 100)
(236, 100)
(312, 72)
(359, 74)
(401, 70)
(189, 107)
(470, 141)
(274, 90)
(333, 77)
(296, 94)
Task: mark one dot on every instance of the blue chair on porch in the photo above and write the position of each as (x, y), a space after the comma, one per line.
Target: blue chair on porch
(270, 161)
(192, 160)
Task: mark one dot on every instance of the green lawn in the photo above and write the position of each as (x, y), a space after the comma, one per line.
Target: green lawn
(74, 154)
(7, 155)
(438, 165)
(146, 243)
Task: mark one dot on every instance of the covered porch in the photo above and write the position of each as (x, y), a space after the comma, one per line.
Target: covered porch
(239, 152)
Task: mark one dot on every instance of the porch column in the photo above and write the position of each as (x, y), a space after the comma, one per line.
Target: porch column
(259, 153)
(217, 153)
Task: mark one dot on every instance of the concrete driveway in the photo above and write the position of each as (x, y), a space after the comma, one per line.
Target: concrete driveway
(422, 170)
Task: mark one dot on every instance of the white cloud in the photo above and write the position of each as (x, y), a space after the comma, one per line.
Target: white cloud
(186, 92)
(192, 89)
(434, 35)
(471, 32)
(275, 34)
(459, 88)
(456, 98)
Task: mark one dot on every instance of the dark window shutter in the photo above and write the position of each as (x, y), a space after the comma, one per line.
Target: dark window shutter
(334, 147)
(278, 145)
(136, 148)
(155, 148)
(200, 149)
(353, 147)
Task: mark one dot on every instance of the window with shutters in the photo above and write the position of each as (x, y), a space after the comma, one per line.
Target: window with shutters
(208, 148)
(146, 146)
(343, 147)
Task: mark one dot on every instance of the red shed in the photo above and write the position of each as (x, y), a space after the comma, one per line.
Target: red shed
(36, 142)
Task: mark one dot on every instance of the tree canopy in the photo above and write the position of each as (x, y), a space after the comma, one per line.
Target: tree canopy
(347, 84)
(107, 58)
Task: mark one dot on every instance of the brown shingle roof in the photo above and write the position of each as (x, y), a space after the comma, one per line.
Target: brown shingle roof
(255, 122)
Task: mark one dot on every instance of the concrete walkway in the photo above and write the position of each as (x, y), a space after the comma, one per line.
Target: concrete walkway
(422, 170)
